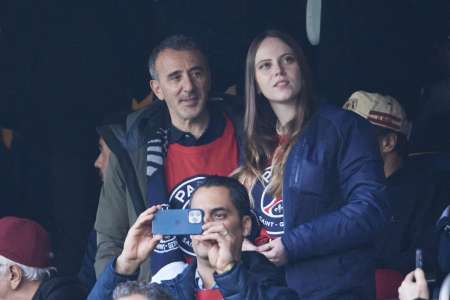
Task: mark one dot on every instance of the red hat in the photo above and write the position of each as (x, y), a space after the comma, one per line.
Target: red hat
(25, 242)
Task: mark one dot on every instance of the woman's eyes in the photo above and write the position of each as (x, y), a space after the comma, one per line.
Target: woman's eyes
(285, 60)
(264, 66)
(289, 59)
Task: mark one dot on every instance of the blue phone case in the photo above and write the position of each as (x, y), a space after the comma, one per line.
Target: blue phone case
(178, 222)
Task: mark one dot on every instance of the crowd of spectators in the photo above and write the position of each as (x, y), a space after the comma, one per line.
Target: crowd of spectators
(373, 186)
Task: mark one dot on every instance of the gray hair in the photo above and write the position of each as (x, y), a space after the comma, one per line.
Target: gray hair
(176, 42)
(30, 273)
(150, 291)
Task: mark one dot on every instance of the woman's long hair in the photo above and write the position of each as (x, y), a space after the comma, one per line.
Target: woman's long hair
(260, 121)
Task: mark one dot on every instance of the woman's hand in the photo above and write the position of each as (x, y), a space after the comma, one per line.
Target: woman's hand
(248, 246)
(274, 251)
(414, 286)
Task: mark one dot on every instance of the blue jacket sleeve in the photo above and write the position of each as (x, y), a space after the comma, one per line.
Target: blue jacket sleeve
(362, 213)
(107, 282)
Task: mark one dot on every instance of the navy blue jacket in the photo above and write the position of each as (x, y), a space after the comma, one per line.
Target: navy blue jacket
(254, 278)
(334, 206)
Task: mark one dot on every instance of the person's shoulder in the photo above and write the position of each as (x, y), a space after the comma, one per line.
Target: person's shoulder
(149, 115)
(335, 114)
(146, 122)
(67, 288)
(343, 121)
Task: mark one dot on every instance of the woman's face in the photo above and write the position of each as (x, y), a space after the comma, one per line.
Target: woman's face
(277, 71)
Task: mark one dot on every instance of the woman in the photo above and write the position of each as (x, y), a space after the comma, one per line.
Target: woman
(314, 173)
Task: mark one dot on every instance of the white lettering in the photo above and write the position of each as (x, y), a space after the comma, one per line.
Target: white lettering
(180, 196)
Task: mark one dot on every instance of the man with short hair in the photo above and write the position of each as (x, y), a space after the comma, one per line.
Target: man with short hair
(25, 269)
(220, 270)
(166, 151)
(416, 196)
(135, 290)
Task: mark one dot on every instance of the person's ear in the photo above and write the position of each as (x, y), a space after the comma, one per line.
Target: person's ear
(388, 142)
(156, 88)
(246, 226)
(15, 276)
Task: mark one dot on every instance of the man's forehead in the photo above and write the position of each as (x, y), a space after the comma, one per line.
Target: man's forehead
(170, 60)
(211, 198)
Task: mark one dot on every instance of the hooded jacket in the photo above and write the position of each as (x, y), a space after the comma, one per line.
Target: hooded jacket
(57, 288)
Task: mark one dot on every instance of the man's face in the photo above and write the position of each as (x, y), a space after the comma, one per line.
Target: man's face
(101, 163)
(183, 82)
(218, 207)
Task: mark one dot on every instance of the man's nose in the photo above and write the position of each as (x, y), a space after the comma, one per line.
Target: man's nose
(188, 84)
(98, 162)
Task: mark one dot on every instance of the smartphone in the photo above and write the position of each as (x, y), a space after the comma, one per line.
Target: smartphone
(178, 222)
(419, 259)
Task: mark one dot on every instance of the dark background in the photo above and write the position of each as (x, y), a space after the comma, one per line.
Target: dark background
(65, 64)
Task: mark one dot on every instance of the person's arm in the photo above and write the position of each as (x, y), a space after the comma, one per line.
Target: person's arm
(107, 282)
(112, 221)
(360, 177)
(232, 276)
(138, 245)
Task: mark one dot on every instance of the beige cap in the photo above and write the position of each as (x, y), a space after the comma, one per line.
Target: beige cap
(379, 110)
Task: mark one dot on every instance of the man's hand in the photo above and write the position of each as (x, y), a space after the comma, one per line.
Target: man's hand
(225, 249)
(414, 286)
(274, 251)
(139, 243)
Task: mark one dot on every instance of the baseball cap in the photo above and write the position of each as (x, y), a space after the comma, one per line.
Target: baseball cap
(380, 110)
(25, 242)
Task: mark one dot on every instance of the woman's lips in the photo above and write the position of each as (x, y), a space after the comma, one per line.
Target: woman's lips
(281, 83)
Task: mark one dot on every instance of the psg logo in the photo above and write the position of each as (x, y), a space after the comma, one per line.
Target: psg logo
(269, 209)
(179, 199)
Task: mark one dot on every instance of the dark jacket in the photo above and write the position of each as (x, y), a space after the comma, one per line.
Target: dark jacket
(58, 288)
(333, 207)
(254, 278)
(417, 197)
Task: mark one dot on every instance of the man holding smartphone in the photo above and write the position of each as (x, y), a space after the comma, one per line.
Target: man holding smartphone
(221, 270)
(166, 151)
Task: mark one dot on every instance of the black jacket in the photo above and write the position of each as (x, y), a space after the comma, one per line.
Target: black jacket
(254, 278)
(59, 288)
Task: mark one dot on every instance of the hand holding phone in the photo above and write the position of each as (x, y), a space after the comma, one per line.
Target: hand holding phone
(224, 248)
(139, 243)
(178, 222)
